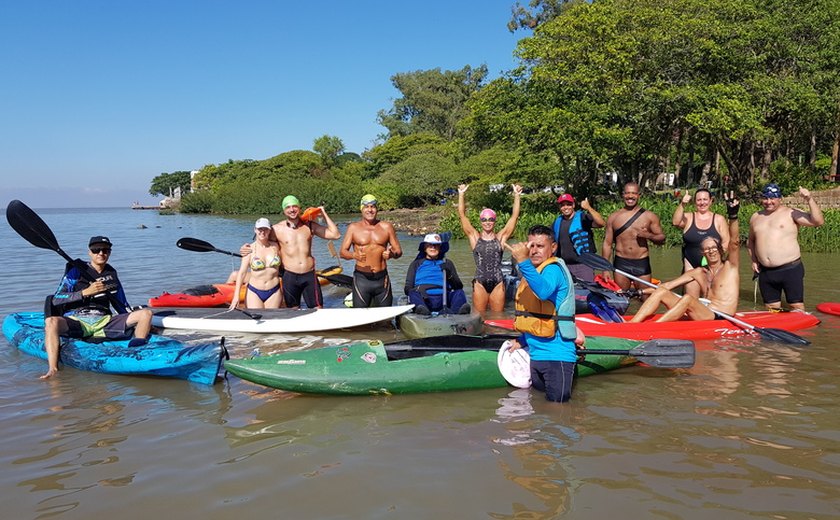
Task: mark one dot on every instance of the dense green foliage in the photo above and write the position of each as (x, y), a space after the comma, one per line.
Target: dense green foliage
(726, 93)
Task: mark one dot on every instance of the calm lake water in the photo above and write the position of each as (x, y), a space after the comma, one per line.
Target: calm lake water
(753, 431)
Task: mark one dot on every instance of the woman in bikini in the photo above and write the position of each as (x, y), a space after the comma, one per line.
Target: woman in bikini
(487, 245)
(263, 289)
(698, 226)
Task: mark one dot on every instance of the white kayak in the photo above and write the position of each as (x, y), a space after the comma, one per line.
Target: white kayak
(262, 321)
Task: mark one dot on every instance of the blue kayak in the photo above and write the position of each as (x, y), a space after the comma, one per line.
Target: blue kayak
(198, 362)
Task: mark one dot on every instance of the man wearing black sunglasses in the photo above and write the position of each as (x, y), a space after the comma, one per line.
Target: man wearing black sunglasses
(81, 306)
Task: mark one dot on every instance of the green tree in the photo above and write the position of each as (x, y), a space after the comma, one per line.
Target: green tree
(432, 101)
(330, 148)
(165, 183)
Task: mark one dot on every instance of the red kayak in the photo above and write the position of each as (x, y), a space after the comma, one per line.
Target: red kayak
(219, 294)
(685, 329)
(829, 308)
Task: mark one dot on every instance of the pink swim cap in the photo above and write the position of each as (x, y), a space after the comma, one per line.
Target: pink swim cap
(487, 213)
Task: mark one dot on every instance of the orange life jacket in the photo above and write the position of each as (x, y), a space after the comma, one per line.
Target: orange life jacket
(540, 317)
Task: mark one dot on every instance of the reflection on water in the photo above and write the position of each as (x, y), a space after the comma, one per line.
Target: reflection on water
(751, 431)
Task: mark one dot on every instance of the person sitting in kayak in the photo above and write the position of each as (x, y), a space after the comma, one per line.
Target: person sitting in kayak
(373, 243)
(719, 280)
(81, 306)
(295, 238)
(429, 274)
(263, 267)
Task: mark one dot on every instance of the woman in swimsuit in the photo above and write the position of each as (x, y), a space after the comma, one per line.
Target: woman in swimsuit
(264, 263)
(487, 246)
(697, 226)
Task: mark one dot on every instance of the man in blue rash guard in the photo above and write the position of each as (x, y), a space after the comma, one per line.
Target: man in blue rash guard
(84, 299)
(545, 314)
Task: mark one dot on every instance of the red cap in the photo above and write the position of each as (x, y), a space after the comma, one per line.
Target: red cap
(566, 197)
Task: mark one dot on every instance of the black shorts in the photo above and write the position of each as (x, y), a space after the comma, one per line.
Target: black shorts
(371, 289)
(296, 285)
(639, 267)
(790, 278)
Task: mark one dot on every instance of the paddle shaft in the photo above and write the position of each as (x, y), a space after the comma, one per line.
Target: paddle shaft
(597, 262)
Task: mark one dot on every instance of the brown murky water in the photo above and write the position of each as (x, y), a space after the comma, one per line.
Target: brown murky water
(752, 431)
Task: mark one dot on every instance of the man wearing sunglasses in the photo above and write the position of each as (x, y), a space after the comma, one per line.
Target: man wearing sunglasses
(81, 306)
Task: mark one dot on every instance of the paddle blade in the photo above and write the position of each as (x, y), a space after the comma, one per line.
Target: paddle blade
(665, 353)
(194, 244)
(599, 263)
(782, 336)
(29, 225)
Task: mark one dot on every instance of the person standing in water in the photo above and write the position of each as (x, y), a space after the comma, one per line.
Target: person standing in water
(371, 243)
(263, 286)
(573, 234)
(487, 246)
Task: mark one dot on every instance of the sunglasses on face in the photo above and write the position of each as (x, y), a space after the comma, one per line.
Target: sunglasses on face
(102, 250)
(487, 219)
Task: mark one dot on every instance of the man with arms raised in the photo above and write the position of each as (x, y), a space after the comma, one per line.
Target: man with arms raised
(774, 247)
(629, 229)
(545, 314)
(295, 238)
(719, 280)
(373, 242)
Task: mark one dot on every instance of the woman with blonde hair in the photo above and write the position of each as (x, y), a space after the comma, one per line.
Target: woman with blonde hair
(263, 289)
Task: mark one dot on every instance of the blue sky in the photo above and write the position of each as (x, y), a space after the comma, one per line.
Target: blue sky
(98, 97)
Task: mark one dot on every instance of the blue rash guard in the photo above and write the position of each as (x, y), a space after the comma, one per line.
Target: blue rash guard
(550, 285)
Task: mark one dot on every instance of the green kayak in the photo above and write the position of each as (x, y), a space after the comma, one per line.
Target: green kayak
(422, 365)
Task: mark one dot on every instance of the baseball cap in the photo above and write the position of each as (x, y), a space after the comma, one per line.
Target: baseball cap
(98, 239)
(432, 238)
(262, 223)
(367, 200)
(290, 200)
(566, 197)
(772, 191)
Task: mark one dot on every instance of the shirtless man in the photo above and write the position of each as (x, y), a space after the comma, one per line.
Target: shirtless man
(774, 247)
(295, 238)
(373, 243)
(630, 228)
(718, 280)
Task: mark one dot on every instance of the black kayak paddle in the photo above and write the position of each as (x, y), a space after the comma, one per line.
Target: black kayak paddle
(783, 336)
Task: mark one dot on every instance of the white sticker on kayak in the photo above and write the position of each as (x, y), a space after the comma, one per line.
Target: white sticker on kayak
(291, 362)
(369, 357)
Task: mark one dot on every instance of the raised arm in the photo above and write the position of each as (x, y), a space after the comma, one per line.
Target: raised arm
(679, 219)
(733, 248)
(510, 226)
(466, 226)
(330, 231)
(815, 217)
(597, 220)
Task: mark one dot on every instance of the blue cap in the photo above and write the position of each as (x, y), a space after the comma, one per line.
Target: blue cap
(771, 191)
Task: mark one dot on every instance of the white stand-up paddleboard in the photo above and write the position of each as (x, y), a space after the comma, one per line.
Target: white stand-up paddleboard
(272, 320)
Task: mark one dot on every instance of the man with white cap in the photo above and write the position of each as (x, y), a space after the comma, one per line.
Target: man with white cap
(573, 234)
(429, 275)
(774, 247)
(373, 243)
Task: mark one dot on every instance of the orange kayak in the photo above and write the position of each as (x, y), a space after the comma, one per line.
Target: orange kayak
(220, 294)
(685, 329)
(829, 308)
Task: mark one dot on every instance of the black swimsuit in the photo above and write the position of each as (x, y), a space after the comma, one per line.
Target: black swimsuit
(488, 263)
